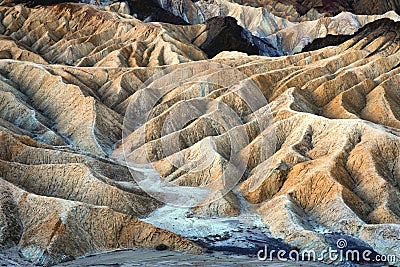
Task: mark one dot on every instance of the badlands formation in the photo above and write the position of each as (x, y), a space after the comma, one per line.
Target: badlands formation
(276, 29)
(312, 139)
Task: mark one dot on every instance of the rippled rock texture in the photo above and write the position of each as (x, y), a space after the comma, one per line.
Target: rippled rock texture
(335, 161)
(270, 28)
(279, 29)
(69, 72)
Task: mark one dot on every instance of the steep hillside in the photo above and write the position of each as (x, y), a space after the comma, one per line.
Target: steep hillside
(104, 118)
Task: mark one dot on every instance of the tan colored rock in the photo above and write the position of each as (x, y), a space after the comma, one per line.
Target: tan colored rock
(334, 166)
(119, 7)
(283, 27)
(127, 40)
(54, 234)
(323, 154)
(223, 205)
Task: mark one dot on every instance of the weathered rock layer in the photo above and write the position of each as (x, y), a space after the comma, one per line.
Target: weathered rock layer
(335, 162)
(323, 154)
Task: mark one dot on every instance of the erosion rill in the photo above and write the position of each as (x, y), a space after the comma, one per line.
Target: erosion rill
(104, 118)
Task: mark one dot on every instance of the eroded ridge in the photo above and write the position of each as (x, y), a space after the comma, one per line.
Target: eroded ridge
(333, 115)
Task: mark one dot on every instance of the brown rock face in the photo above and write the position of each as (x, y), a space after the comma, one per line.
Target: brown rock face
(319, 133)
(57, 230)
(57, 204)
(60, 197)
(11, 228)
(75, 38)
(336, 124)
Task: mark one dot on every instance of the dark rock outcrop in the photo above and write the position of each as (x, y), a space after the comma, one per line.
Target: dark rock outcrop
(377, 28)
(149, 10)
(337, 6)
(224, 34)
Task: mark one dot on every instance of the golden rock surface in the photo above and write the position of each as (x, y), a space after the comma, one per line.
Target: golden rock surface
(69, 72)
